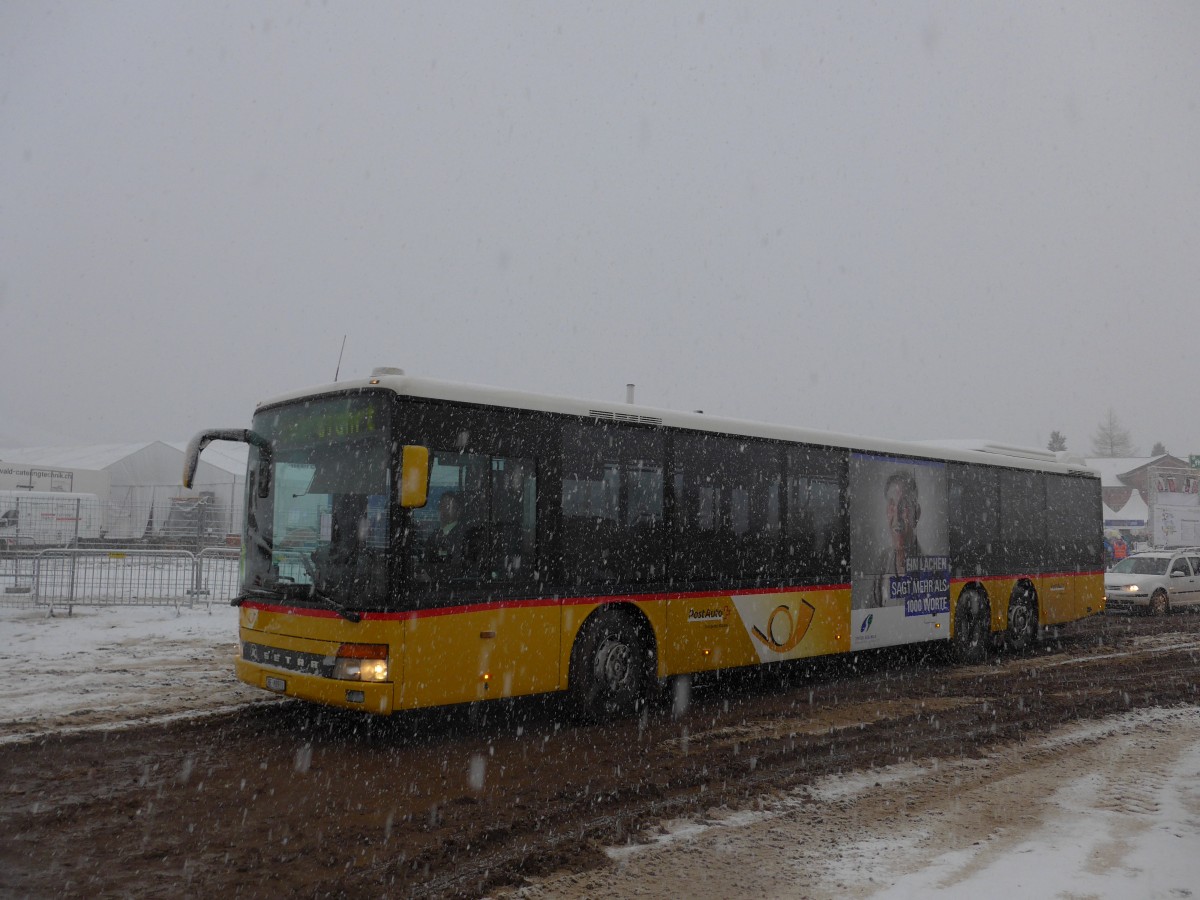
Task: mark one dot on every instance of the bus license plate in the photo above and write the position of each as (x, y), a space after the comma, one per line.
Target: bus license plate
(276, 684)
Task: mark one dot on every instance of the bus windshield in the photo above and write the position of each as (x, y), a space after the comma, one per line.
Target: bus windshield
(321, 531)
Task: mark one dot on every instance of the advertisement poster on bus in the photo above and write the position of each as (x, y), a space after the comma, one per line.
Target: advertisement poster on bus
(899, 551)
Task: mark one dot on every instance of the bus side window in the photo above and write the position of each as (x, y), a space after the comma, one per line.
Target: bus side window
(974, 520)
(479, 525)
(1072, 519)
(727, 509)
(813, 546)
(1022, 519)
(509, 547)
(612, 503)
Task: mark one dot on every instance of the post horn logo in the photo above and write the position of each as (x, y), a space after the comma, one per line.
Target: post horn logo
(785, 630)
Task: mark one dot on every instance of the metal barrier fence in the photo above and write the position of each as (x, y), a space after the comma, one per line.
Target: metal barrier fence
(73, 520)
(117, 577)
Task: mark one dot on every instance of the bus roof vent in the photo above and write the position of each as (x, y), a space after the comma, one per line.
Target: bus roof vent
(1020, 452)
(381, 371)
(624, 417)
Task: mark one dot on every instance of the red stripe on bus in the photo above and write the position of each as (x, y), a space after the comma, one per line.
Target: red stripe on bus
(964, 580)
(698, 595)
(290, 610)
(534, 602)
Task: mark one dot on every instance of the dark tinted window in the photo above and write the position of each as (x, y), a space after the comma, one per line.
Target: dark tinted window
(1073, 523)
(974, 519)
(727, 509)
(495, 461)
(612, 504)
(1071, 510)
(1022, 544)
(812, 548)
(1023, 506)
(479, 525)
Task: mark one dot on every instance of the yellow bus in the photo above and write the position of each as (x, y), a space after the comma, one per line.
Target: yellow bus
(412, 543)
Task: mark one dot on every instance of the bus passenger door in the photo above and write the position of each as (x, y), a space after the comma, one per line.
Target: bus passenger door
(480, 654)
(480, 630)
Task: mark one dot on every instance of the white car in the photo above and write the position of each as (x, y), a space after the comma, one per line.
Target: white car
(1155, 581)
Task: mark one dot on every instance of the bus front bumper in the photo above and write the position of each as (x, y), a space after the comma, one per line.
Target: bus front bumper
(373, 697)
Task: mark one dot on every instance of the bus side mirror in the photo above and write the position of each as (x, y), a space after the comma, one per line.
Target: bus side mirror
(191, 456)
(414, 476)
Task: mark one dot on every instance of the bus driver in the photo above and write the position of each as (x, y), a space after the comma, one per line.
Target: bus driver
(445, 547)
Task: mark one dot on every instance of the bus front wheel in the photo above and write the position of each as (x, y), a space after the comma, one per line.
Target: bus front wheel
(610, 666)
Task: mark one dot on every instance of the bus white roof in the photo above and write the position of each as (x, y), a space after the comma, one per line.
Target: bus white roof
(983, 452)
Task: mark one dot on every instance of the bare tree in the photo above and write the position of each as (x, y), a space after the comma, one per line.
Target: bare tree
(1058, 441)
(1112, 439)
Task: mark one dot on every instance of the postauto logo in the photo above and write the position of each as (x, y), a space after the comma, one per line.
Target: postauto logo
(866, 624)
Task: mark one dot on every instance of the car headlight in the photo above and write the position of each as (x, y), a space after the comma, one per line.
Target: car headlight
(361, 662)
(1131, 588)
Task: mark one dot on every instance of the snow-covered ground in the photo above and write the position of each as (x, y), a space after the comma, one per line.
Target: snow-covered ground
(107, 667)
(1107, 809)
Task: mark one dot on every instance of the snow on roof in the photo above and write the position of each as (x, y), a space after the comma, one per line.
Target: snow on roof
(96, 456)
(1110, 467)
(226, 455)
(981, 445)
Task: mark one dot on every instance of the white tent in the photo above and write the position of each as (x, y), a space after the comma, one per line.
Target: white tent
(145, 478)
(1132, 515)
(15, 476)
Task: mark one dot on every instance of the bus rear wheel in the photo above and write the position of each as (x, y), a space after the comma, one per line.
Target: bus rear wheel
(1022, 619)
(610, 666)
(972, 628)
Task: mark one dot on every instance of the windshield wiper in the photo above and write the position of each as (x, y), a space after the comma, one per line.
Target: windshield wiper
(260, 593)
(310, 566)
(274, 587)
(348, 614)
(289, 590)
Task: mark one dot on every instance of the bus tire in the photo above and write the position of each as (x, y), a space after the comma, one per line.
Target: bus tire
(611, 664)
(972, 628)
(1022, 619)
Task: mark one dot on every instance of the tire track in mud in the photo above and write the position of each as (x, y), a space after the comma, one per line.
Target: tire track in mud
(296, 800)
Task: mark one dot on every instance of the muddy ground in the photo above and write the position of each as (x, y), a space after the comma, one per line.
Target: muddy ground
(291, 800)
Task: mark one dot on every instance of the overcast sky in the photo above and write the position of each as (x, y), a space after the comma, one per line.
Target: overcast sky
(912, 220)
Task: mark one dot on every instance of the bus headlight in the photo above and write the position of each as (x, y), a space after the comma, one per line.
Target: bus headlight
(361, 662)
